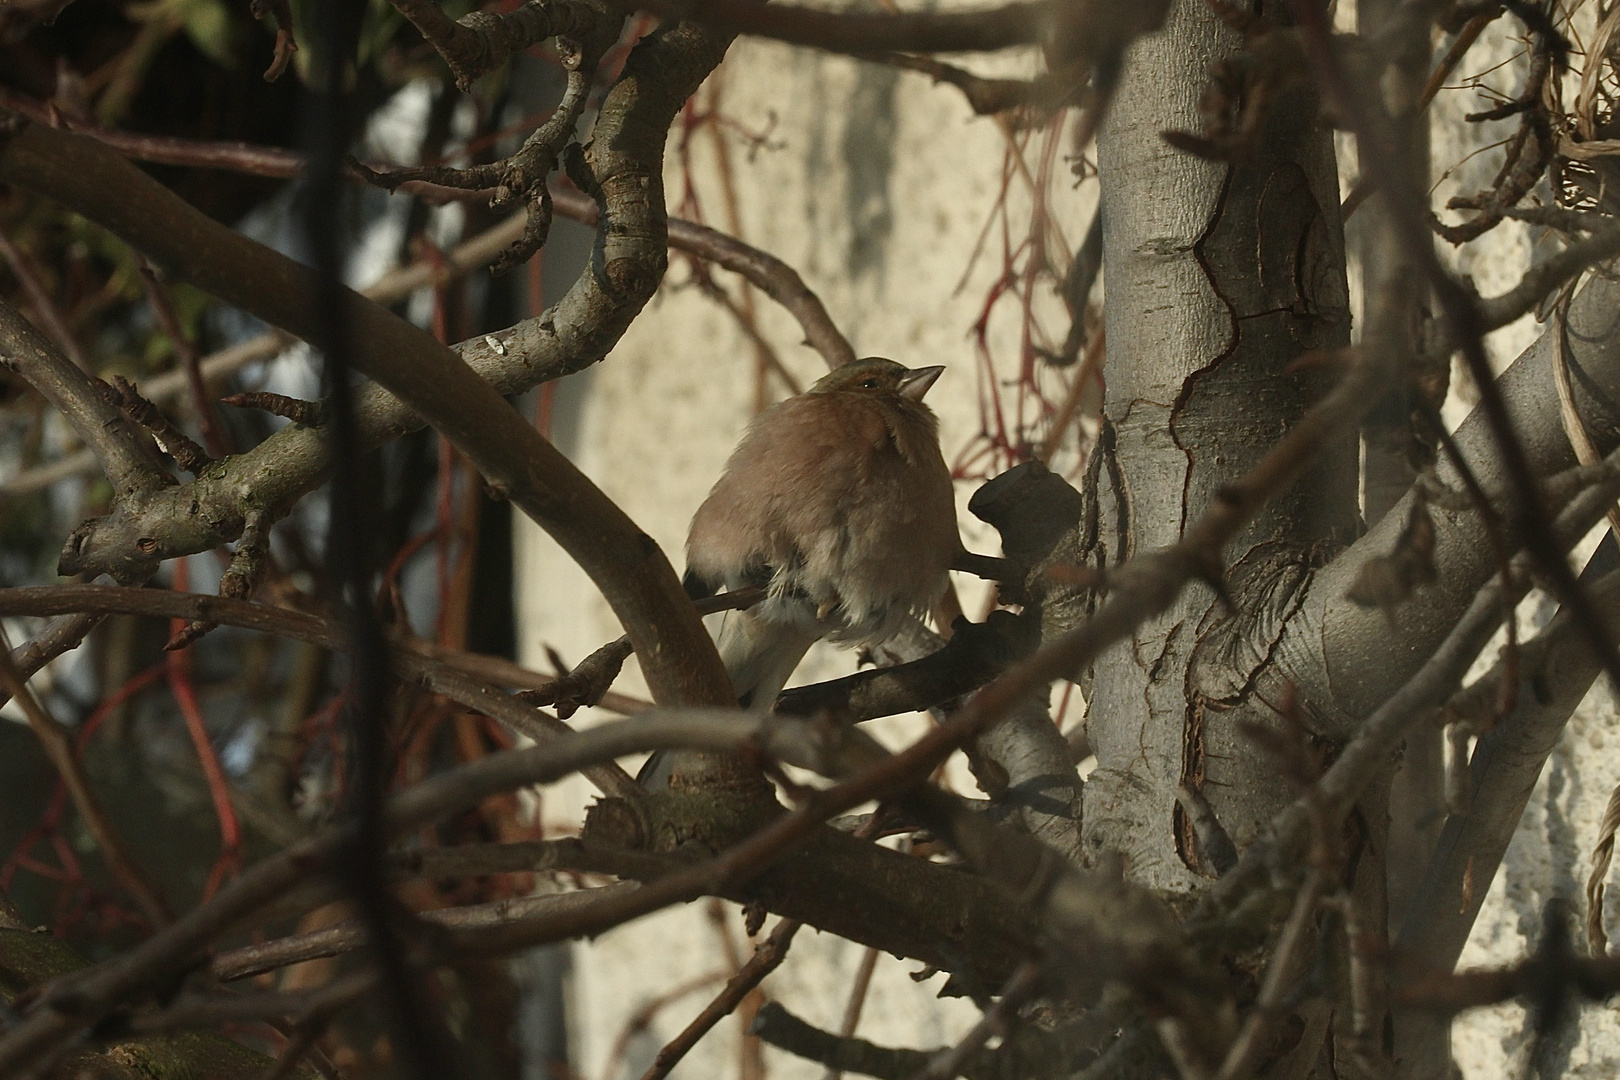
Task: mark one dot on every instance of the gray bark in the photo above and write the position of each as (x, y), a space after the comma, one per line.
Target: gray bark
(1200, 342)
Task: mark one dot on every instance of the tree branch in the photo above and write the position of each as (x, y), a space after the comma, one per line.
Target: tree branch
(68, 1007)
(1549, 274)
(774, 1024)
(351, 934)
(1341, 656)
(123, 454)
(1555, 671)
(677, 656)
(985, 30)
(482, 41)
(58, 746)
(1381, 734)
(453, 674)
(975, 654)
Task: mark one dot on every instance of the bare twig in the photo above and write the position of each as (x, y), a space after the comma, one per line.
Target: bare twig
(350, 935)
(1464, 321)
(59, 748)
(71, 1005)
(766, 959)
(857, 1000)
(1437, 79)
(281, 12)
(1549, 274)
(454, 674)
(185, 350)
(439, 386)
(482, 41)
(763, 270)
(44, 306)
(392, 286)
(484, 38)
(988, 96)
(165, 150)
(780, 1028)
(63, 634)
(298, 411)
(170, 439)
(947, 1064)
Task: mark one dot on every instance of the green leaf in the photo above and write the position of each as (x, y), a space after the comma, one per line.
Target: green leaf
(209, 26)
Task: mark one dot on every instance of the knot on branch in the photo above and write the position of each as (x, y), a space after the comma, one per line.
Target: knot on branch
(170, 439)
(248, 565)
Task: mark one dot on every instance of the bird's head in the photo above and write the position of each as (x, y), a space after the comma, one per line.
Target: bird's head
(880, 378)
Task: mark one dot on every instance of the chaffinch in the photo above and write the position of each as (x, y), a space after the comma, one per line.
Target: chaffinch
(839, 501)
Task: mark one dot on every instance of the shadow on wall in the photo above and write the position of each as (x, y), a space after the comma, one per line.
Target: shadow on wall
(868, 148)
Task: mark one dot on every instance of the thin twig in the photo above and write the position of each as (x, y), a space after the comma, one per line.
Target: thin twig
(947, 1065)
(58, 747)
(350, 935)
(857, 1000)
(766, 959)
(1465, 323)
(1437, 79)
(44, 306)
(189, 362)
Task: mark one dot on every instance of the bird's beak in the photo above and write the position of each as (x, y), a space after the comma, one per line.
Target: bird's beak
(915, 383)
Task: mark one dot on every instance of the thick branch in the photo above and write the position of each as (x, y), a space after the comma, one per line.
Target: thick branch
(1343, 657)
(677, 656)
(483, 40)
(1363, 758)
(985, 30)
(1555, 671)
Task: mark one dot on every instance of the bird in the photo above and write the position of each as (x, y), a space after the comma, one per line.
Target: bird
(839, 503)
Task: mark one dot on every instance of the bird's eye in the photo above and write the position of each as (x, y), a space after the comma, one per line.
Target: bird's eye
(869, 384)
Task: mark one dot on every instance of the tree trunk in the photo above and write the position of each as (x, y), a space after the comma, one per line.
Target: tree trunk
(1220, 277)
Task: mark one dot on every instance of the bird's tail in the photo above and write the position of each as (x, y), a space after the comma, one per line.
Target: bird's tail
(760, 654)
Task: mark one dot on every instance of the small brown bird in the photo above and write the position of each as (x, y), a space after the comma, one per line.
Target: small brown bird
(838, 500)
